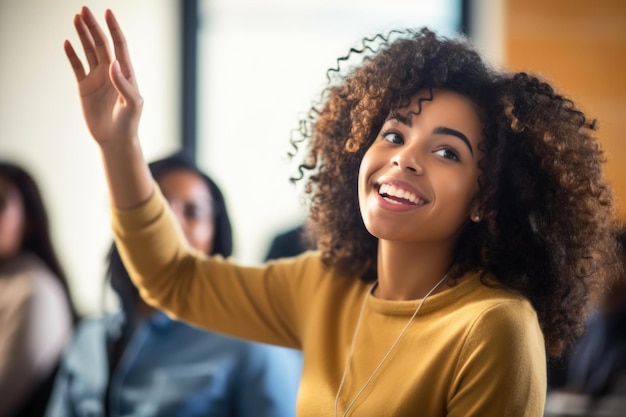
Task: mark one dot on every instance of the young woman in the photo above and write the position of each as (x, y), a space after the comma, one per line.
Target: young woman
(36, 310)
(461, 218)
(138, 362)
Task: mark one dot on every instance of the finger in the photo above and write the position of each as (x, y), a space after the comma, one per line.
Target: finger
(86, 40)
(120, 46)
(77, 65)
(126, 88)
(100, 41)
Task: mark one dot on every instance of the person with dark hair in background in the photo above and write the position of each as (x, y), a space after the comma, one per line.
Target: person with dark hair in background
(289, 243)
(140, 363)
(461, 216)
(37, 314)
(594, 373)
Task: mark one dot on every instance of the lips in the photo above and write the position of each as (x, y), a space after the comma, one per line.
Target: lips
(397, 194)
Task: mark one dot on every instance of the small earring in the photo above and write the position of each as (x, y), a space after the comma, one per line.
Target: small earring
(476, 218)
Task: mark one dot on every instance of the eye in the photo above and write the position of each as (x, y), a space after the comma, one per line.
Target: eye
(393, 137)
(448, 153)
(190, 211)
(194, 211)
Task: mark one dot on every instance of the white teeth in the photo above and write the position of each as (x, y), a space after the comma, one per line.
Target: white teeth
(393, 191)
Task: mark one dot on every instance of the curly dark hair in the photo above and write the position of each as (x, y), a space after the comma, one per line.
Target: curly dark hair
(547, 210)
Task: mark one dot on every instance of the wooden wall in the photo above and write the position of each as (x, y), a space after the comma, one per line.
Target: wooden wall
(579, 45)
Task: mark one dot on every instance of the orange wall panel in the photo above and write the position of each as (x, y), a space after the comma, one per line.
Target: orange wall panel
(580, 46)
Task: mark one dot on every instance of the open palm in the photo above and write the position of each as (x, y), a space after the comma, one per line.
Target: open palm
(108, 92)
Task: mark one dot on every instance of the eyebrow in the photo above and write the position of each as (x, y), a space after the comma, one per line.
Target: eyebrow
(439, 130)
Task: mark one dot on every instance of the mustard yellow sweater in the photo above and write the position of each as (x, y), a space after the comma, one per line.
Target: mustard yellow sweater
(472, 350)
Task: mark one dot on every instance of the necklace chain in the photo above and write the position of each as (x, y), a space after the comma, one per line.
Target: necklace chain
(380, 364)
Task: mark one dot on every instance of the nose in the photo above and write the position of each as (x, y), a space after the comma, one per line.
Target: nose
(178, 210)
(407, 158)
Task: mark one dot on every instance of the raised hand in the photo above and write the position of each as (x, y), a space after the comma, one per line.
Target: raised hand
(112, 107)
(108, 92)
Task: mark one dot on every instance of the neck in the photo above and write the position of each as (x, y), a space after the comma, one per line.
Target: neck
(409, 272)
(7, 258)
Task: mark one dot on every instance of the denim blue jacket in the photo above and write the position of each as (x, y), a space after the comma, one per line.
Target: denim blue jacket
(171, 369)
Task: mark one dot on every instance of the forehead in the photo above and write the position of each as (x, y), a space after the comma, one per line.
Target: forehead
(7, 187)
(453, 102)
(182, 181)
(442, 107)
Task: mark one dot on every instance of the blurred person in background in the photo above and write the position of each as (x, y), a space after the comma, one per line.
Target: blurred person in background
(36, 310)
(288, 243)
(594, 374)
(138, 362)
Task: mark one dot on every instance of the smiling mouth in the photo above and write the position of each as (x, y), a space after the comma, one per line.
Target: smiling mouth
(397, 195)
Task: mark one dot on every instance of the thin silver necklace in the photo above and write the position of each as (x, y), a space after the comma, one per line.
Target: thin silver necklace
(380, 364)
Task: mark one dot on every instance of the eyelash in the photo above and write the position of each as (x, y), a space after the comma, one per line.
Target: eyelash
(400, 140)
(456, 157)
(391, 132)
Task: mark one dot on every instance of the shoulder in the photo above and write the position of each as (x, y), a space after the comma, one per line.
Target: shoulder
(90, 331)
(506, 314)
(484, 293)
(500, 317)
(85, 357)
(314, 278)
(98, 326)
(302, 261)
(501, 362)
(303, 270)
(498, 305)
(28, 280)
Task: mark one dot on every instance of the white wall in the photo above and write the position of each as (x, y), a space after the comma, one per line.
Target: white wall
(41, 123)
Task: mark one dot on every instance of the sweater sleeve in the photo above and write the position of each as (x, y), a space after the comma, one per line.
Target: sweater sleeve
(502, 369)
(263, 304)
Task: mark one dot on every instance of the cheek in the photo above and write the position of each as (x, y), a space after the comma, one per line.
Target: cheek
(201, 236)
(460, 192)
(365, 172)
(460, 187)
(362, 185)
(366, 192)
(12, 225)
